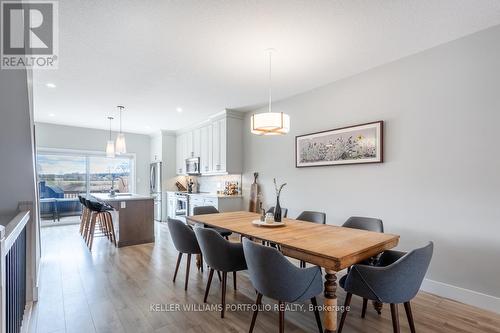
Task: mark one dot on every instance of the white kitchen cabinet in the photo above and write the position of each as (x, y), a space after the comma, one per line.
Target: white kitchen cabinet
(171, 204)
(216, 146)
(188, 152)
(181, 154)
(196, 142)
(219, 145)
(222, 203)
(223, 145)
(206, 149)
(195, 201)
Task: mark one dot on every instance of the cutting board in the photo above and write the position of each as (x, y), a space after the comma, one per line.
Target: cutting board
(254, 195)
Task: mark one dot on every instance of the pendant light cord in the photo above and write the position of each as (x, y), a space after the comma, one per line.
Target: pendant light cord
(270, 80)
(121, 109)
(110, 119)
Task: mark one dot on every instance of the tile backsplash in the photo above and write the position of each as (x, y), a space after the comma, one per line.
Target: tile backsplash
(212, 184)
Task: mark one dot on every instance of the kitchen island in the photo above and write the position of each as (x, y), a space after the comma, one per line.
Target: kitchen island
(133, 217)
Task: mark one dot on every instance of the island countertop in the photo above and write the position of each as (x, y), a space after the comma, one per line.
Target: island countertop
(121, 197)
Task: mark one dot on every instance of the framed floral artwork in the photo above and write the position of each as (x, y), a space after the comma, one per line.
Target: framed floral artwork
(347, 145)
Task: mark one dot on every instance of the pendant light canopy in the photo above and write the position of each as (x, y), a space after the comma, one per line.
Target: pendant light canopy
(270, 123)
(110, 146)
(121, 146)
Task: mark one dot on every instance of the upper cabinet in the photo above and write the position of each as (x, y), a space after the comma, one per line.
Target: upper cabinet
(218, 142)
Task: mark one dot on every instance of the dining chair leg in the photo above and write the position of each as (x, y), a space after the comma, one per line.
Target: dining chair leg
(224, 282)
(281, 306)
(316, 314)
(201, 262)
(187, 271)
(344, 313)
(363, 310)
(409, 315)
(234, 280)
(218, 275)
(255, 312)
(209, 282)
(395, 317)
(177, 266)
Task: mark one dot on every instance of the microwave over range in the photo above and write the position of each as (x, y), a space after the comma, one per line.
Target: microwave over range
(193, 166)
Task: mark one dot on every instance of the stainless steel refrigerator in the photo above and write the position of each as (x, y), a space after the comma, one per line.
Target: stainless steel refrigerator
(155, 188)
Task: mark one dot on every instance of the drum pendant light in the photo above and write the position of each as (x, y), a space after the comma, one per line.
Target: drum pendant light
(270, 123)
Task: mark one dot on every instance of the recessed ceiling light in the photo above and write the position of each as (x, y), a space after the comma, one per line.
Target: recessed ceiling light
(179, 110)
(52, 114)
(50, 85)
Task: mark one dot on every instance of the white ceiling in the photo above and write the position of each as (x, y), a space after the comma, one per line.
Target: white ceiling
(204, 56)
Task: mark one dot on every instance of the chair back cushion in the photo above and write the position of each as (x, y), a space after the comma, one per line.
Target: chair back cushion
(396, 283)
(364, 223)
(183, 237)
(275, 277)
(310, 216)
(200, 210)
(219, 253)
(284, 211)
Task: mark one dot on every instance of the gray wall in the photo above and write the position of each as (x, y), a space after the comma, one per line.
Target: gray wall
(79, 138)
(16, 165)
(441, 178)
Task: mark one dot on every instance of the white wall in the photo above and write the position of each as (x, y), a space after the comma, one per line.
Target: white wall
(441, 178)
(17, 181)
(79, 138)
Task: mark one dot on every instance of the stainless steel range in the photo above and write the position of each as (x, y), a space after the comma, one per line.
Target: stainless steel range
(181, 204)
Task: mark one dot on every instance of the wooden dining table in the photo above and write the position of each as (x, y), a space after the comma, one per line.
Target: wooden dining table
(332, 247)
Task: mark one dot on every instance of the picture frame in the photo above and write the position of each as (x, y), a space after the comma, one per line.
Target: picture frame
(357, 144)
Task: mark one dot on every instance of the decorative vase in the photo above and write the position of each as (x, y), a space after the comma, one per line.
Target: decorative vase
(277, 210)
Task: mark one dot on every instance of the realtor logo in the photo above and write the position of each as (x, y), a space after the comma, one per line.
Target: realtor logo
(29, 34)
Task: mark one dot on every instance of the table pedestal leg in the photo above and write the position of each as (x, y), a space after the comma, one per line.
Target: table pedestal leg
(330, 302)
(378, 306)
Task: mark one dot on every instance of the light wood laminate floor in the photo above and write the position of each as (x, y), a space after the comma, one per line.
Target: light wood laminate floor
(112, 290)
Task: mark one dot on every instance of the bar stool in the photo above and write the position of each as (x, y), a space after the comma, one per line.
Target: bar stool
(85, 213)
(100, 218)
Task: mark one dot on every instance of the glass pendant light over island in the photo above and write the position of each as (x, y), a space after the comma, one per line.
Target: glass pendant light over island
(121, 146)
(270, 123)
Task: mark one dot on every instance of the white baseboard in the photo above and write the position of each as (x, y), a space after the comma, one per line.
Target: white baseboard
(467, 296)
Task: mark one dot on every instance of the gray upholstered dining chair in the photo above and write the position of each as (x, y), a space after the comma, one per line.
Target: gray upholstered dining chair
(185, 242)
(395, 279)
(368, 224)
(364, 223)
(200, 210)
(284, 211)
(284, 214)
(220, 255)
(273, 276)
(311, 216)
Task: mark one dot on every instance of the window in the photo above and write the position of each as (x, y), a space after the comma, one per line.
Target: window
(65, 175)
(106, 173)
(61, 176)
